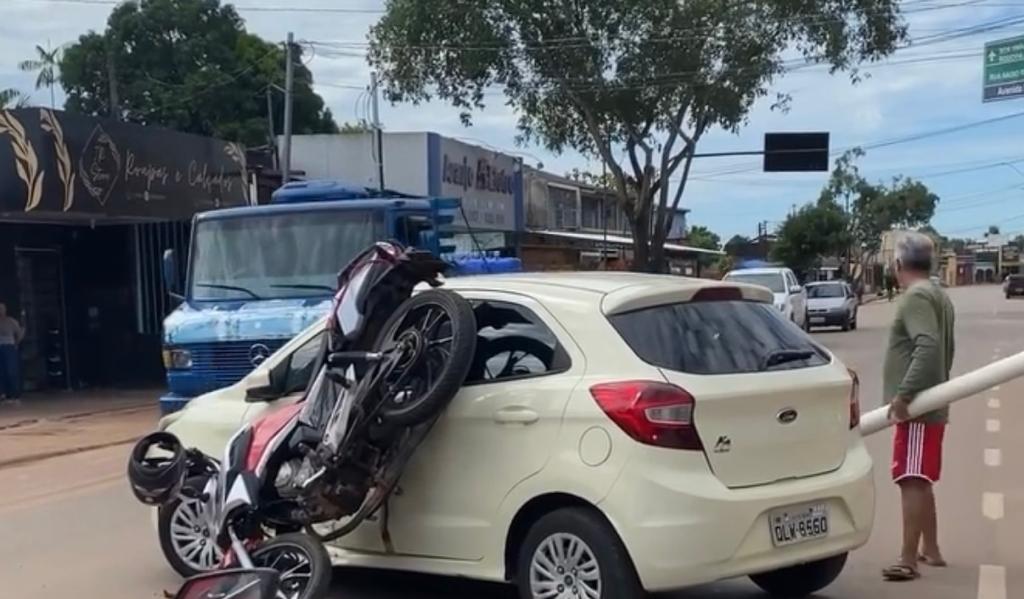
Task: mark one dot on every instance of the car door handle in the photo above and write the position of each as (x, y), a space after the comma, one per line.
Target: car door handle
(516, 415)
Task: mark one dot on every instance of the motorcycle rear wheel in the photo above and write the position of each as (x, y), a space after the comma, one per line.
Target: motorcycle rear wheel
(443, 325)
(303, 562)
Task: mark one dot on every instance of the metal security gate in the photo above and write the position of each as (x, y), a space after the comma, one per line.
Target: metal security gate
(44, 352)
(151, 298)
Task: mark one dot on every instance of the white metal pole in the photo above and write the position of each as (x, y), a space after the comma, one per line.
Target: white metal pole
(955, 389)
(377, 130)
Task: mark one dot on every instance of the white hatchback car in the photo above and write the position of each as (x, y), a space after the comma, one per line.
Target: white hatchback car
(620, 432)
(789, 297)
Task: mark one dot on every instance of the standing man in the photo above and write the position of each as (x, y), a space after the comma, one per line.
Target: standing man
(11, 335)
(919, 356)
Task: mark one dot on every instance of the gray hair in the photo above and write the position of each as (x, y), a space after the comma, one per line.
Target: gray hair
(914, 251)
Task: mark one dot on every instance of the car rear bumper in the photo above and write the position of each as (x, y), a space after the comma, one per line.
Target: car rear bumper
(828, 319)
(683, 528)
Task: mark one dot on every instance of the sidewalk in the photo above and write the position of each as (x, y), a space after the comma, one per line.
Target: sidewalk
(49, 425)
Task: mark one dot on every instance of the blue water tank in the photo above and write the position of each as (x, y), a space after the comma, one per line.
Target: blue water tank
(484, 266)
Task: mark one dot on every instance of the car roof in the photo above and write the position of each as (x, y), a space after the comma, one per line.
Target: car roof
(615, 292)
(775, 270)
(816, 283)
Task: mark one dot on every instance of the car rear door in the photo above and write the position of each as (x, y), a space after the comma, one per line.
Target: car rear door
(759, 423)
(498, 431)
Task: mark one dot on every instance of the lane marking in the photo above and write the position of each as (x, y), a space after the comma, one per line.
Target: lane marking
(993, 403)
(992, 505)
(993, 457)
(992, 425)
(991, 582)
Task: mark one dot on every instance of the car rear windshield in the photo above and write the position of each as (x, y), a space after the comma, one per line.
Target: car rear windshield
(717, 337)
(772, 281)
(826, 290)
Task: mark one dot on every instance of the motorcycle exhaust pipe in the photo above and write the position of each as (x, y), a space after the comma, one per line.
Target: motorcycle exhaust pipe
(955, 389)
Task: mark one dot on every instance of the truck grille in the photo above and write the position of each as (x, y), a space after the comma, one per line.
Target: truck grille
(225, 363)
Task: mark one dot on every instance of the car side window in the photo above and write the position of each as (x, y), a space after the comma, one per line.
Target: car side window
(790, 280)
(301, 364)
(513, 343)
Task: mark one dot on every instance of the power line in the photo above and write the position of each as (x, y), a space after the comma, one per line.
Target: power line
(240, 8)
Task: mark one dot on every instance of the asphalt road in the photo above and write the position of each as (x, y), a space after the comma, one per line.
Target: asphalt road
(69, 528)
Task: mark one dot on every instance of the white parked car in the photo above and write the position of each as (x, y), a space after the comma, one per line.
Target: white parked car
(789, 297)
(621, 432)
(831, 304)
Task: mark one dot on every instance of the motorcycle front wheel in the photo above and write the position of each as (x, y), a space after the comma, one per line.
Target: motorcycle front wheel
(433, 338)
(303, 562)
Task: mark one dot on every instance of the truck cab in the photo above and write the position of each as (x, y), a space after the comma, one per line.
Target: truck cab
(258, 275)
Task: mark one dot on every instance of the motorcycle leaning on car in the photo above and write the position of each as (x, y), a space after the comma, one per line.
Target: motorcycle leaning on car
(311, 472)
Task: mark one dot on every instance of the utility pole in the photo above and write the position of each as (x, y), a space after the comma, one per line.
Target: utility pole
(289, 81)
(115, 108)
(379, 133)
(271, 136)
(604, 213)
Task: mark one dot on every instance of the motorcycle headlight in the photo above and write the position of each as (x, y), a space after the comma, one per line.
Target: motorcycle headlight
(177, 359)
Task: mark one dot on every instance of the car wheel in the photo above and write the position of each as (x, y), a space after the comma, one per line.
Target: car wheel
(807, 323)
(847, 323)
(853, 325)
(186, 536)
(574, 552)
(800, 581)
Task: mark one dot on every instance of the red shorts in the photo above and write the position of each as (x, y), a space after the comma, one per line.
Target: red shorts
(917, 451)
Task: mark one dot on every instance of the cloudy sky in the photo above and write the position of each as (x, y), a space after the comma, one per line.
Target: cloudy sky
(904, 107)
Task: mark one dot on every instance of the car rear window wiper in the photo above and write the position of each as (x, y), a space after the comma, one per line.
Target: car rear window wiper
(303, 286)
(251, 293)
(783, 356)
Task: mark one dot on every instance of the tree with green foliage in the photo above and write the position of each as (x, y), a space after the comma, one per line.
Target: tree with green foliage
(810, 234)
(864, 210)
(736, 245)
(47, 63)
(187, 65)
(634, 84)
(702, 237)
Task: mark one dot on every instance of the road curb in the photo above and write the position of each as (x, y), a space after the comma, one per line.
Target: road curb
(56, 453)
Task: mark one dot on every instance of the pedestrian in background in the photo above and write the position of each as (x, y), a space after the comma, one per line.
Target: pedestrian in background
(11, 335)
(919, 356)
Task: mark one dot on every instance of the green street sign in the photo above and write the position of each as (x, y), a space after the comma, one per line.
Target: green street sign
(1003, 78)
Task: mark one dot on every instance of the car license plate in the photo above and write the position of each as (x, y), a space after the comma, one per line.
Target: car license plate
(817, 319)
(798, 524)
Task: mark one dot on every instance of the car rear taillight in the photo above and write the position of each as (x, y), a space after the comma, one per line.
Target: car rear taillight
(854, 400)
(650, 412)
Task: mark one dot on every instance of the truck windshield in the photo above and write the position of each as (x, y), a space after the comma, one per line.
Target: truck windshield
(277, 256)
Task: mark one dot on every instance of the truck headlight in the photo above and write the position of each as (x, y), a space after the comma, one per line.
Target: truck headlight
(177, 359)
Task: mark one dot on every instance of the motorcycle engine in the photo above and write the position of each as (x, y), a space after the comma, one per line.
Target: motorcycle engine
(290, 477)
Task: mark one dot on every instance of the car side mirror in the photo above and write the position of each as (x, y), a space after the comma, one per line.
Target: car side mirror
(796, 289)
(267, 384)
(169, 270)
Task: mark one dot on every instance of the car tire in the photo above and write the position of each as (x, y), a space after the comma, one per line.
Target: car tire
(853, 325)
(847, 323)
(800, 581)
(807, 323)
(184, 513)
(608, 573)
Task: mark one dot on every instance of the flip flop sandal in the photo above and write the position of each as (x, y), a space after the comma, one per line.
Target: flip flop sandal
(900, 573)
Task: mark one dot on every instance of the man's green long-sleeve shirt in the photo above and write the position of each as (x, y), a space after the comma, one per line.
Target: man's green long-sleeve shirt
(921, 347)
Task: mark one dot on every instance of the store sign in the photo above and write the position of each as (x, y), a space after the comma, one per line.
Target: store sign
(485, 181)
(58, 163)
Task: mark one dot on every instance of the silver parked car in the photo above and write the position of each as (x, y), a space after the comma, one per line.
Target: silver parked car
(831, 304)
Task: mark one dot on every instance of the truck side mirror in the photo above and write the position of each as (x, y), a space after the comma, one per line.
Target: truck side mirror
(170, 274)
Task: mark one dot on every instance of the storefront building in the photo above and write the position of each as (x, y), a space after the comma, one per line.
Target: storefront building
(87, 207)
(489, 183)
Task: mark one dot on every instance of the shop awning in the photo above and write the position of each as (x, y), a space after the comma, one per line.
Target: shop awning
(621, 240)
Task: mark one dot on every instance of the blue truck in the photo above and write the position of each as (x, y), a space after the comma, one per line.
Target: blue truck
(258, 275)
